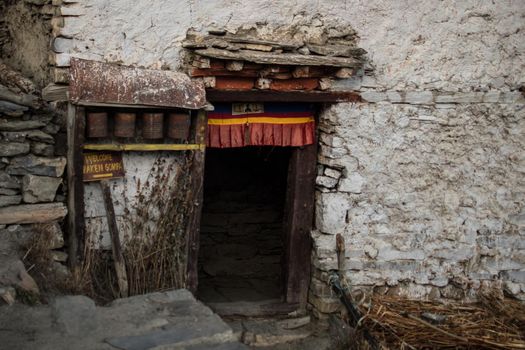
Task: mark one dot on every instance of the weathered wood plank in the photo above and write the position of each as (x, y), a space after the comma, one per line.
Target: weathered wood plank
(299, 222)
(75, 163)
(196, 191)
(281, 96)
(118, 258)
(280, 58)
(32, 213)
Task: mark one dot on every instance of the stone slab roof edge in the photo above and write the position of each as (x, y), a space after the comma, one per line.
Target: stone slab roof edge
(105, 83)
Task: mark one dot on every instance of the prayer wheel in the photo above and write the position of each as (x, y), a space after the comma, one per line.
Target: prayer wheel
(152, 125)
(179, 126)
(124, 124)
(97, 124)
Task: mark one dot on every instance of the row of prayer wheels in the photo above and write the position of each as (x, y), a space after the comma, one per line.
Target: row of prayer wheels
(178, 125)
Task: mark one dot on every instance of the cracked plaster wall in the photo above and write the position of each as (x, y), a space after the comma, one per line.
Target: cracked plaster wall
(426, 180)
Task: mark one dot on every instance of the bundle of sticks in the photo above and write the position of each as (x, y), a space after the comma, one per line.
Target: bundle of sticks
(491, 323)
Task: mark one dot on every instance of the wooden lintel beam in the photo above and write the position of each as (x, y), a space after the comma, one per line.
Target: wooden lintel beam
(214, 95)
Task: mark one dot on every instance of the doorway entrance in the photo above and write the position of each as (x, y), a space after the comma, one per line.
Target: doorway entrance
(241, 255)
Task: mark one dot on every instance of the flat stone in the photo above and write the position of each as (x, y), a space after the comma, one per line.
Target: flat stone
(353, 183)
(32, 213)
(10, 200)
(15, 125)
(10, 149)
(37, 189)
(31, 164)
(270, 333)
(373, 96)
(34, 135)
(326, 181)
(12, 109)
(220, 346)
(74, 315)
(331, 212)
(7, 191)
(179, 334)
(419, 97)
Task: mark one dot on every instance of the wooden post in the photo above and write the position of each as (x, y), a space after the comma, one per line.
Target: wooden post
(193, 227)
(299, 222)
(341, 252)
(75, 163)
(118, 258)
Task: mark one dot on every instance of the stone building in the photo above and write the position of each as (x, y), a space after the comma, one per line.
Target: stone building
(419, 133)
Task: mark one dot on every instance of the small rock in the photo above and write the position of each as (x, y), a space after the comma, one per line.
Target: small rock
(39, 188)
(58, 255)
(8, 294)
(303, 50)
(7, 181)
(42, 149)
(13, 273)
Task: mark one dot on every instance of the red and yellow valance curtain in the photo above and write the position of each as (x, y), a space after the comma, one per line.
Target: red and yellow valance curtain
(260, 124)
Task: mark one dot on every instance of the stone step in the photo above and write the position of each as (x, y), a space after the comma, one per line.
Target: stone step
(265, 333)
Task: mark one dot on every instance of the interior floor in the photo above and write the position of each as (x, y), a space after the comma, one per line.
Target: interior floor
(241, 243)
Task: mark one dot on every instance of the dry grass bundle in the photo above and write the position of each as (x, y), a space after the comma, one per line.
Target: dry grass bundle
(156, 253)
(154, 249)
(492, 323)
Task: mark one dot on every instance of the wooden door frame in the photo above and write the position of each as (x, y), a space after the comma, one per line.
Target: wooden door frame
(299, 216)
(298, 223)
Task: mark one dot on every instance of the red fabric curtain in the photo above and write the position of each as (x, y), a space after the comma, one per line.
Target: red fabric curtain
(239, 125)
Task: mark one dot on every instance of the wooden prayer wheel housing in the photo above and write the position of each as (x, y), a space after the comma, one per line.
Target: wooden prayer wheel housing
(125, 124)
(152, 125)
(97, 124)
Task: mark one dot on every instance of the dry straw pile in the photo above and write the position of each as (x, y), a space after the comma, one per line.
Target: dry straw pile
(492, 323)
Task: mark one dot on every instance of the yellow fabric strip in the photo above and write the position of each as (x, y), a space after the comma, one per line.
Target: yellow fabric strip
(260, 120)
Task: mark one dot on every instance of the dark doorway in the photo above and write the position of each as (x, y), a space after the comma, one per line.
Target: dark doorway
(242, 235)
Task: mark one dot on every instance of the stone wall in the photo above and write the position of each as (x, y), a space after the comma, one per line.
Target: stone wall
(428, 198)
(32, 192)
(424, 180)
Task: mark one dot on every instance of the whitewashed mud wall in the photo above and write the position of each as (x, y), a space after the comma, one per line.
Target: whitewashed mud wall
(424, 180)
(132, 193)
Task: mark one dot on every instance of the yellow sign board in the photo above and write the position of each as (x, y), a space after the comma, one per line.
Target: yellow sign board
(103, 166)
